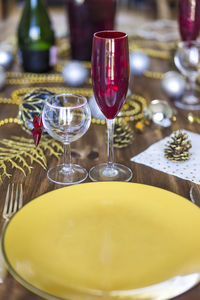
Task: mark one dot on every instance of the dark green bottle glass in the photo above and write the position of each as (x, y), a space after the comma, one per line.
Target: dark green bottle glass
(36, 39)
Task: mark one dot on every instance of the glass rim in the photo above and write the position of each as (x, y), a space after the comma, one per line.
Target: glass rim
(123, 35)
(66, 94)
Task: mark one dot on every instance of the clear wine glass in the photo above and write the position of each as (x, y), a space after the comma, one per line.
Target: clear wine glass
(110, 79)
(189, 19)
(66, 117)
(187, 60)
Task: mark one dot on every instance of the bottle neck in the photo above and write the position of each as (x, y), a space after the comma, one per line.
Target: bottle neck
(34, 3)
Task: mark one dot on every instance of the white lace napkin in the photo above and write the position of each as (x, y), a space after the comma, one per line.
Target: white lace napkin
(188, 170)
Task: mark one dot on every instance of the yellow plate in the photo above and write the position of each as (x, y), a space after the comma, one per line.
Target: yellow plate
(105, 240)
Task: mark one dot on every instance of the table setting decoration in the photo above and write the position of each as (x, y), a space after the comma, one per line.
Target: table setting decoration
(32, 104)
(66, 118)
(192, 118)
(86, 226)
(186, 56)
(187, 60)
(75, 73)
(177, 148)
(159, 112)
(110, 80)
(139, 62)
(123, 134)
(12, 204)
(105, 240)
(154, 157)
(20, 153)
(173, 84)
(189, 19)
(31, 101)
(6, 59)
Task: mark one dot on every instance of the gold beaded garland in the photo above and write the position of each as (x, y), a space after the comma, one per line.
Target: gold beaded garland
(19, 93)
(10, 121)
(133, 109)
(18, 78)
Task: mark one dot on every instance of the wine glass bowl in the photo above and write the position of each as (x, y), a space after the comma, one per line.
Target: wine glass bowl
(110, 79)
(187, 60)
(66, 117)
(189, 19)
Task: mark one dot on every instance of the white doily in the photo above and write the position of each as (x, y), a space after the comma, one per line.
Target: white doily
(154, 157)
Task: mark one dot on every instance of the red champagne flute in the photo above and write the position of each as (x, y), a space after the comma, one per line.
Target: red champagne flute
(110, 78)
(189, 19)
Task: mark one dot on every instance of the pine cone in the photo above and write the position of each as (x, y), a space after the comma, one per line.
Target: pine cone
(123, 134)
(177, 149)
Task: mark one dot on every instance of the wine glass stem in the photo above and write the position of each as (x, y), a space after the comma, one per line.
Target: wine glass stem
(110, 150)
(67, 155)
(192, 83)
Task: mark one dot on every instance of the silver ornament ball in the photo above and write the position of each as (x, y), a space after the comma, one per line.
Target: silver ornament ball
(6, 59)
(95, 110)
(173, 84)
(74, 73)
(2, 77)
(139, 62)
(159, 112)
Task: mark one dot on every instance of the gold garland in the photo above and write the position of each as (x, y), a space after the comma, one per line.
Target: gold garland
(151, 52)
(18, 94)
(22, 78)
(7, 121)
(154, 75)
(8, 101)
(15, 78)
(31, 78)
(18, 78)
(132, 110)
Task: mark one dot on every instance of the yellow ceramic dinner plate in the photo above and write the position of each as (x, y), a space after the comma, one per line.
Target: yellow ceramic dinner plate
(105, 241)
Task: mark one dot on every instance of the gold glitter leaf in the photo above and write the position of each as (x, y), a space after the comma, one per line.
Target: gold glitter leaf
(20, 153)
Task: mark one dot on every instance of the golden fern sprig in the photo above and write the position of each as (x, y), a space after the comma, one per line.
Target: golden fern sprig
(49, 145)
(4, 172)
(23, 162)
(20, 153)
(36, 159)
(15, 165)
(32, 153)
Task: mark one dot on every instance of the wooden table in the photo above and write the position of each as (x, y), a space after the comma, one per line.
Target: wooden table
(91, 150)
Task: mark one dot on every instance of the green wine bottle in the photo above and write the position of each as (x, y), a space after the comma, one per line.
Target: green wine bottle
(36, 39)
